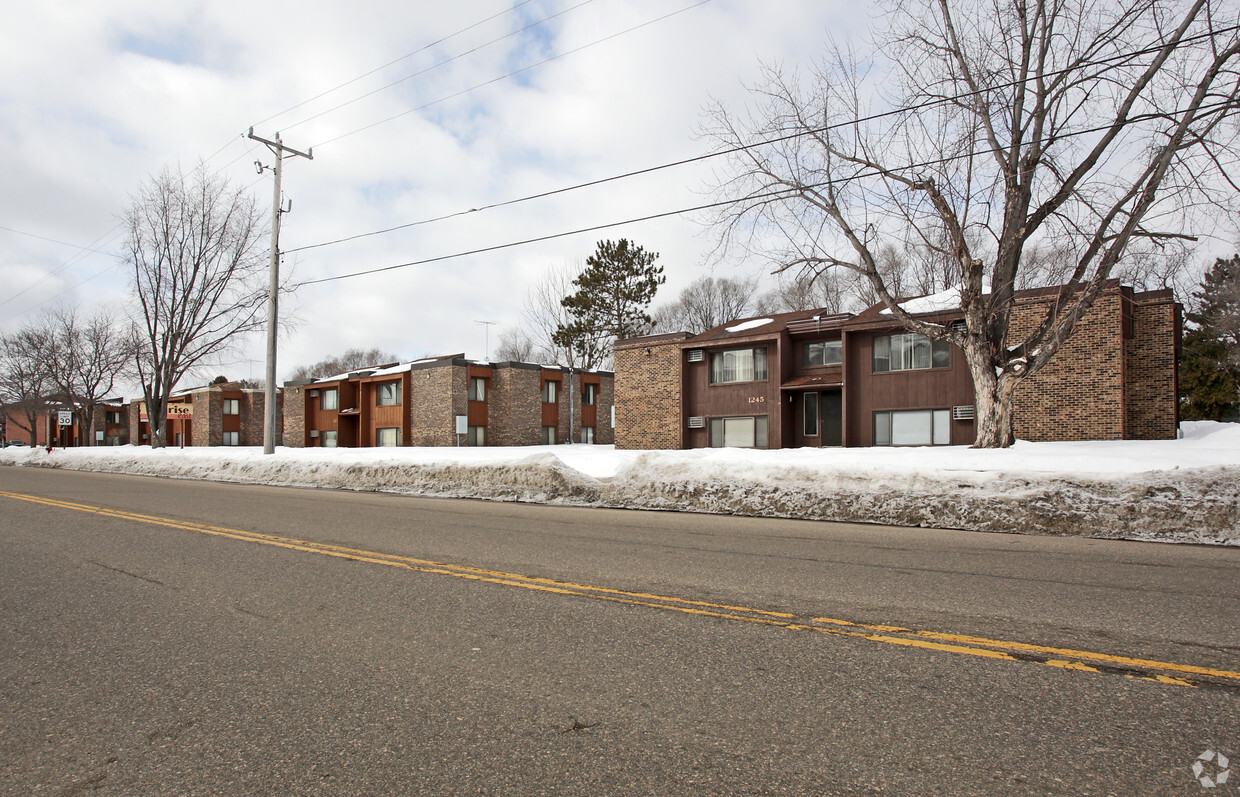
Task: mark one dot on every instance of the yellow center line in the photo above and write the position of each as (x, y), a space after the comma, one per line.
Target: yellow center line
(894, 635)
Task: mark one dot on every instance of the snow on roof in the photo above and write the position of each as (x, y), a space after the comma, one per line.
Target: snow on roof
(934, 303)
(754, 324)
(395, 369)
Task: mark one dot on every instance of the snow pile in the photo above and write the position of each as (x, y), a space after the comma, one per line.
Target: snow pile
(1172, 490)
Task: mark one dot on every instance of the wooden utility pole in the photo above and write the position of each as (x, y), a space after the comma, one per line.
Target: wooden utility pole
(273, 289)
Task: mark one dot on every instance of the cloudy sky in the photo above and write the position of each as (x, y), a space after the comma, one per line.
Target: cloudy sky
(95, 97)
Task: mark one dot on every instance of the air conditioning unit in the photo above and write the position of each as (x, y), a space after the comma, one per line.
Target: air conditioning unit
(964, 413)
(314, 394)
(696, 355)
(697, 422)
(314, 433)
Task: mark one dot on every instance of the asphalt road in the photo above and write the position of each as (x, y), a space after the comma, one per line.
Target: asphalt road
(163, 637)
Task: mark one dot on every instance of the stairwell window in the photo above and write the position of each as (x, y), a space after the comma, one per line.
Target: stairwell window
(232, 438)
(477, 388)
(232, 406)
(388, 394)
(588, 393)
(549, 392)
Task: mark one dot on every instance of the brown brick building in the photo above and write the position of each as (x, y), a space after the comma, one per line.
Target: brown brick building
(419, 404)
(109, 426)
(816, 379)
(224, 414)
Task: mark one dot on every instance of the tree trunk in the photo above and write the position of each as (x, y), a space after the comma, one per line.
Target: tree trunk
(993, 397)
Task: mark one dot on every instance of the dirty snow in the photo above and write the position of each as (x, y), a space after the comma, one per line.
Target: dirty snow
(1185, 490)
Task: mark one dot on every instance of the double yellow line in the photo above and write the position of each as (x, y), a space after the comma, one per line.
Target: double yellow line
(1064, 658)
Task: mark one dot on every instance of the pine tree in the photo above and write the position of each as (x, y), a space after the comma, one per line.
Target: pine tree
(613, 292)
(1217, 311)
(1208, 383)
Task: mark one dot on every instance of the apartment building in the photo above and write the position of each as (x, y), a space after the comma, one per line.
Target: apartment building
(818, 379)
(450, 401)
(223, 414)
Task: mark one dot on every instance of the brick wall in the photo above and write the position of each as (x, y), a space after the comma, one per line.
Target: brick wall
(648, 394)
(208, 422)
(604, 433)
(1150, 360)
(435, 397)
(515, 407)
(1079, 395)
(252, 418)
(293, 412)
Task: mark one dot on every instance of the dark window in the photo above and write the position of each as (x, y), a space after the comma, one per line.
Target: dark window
(811, 414)
(822, 352)
(548, 432)
(387, 394)
(908, 351)
(477, 436)
(587, 394)
(549, 392)
(738, 365)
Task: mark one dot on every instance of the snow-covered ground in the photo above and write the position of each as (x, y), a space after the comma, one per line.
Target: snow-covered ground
(1185, 490)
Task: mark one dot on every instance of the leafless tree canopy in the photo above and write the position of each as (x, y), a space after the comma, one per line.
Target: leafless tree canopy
(195, 249)
(533, 340)
(85, 357)
(706, 303)
(24, 378)
(982, 133)
(351, 360)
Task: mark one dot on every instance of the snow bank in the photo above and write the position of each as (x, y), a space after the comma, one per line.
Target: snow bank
(1185, 490)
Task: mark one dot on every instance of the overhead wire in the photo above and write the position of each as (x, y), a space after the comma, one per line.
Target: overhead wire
(787, 192)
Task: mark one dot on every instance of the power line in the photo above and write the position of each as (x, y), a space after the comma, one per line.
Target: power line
(54, 241)
(435, 66)
(729, 150)
(709, 206)
(514, 73)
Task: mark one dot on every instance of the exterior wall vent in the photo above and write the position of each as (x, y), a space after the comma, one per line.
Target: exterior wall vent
(314, 433)
(696, 355)
(960, 326)
(697, 422)
(964, 413)
(314, 394)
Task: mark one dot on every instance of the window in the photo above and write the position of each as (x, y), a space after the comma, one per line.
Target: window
(387, 437)
(548, 434)
(738, 432)
(112, 418)
(387, 394)
(822, 352)
(232, 406)
(741, 365)
(587, 435)
(548, 392)
(587, 394)
(477, 388)
(811, 414)
(477, 436)
(232, 438)
(327, 439)
(329, 399)
(909, 351)
(913, 428)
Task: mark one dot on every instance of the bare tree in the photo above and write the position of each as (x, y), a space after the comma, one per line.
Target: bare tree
(544, 313)
(85, 357)
(1099, 129)
(351, 360)
(515, 345)
(24, 377)
(197, 258)
(706, 303)
(835, 291)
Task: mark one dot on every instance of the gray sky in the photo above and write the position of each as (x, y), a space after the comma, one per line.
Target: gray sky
(94, 97)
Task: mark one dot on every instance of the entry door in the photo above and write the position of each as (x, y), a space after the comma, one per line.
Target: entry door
(832, 404)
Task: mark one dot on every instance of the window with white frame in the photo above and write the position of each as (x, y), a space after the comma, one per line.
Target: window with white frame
(232, 438)
(739, 432)
(232, 406)
(327, 439)
(738, 365)
(387, 437)
(477, 388)
(908, 351)
(387, 394)
(913, 428)
(477, 436)
(548, 435)
(329, 399)
(549, 391)
(822, 352)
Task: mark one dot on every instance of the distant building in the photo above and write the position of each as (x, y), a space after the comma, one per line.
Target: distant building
(221, 415)
(418, 404)
(818, 379)
(109, 426)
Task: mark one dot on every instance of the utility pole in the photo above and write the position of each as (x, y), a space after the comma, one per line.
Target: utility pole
(273, 288)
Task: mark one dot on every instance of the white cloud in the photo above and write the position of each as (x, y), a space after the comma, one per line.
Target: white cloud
(96, 97)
